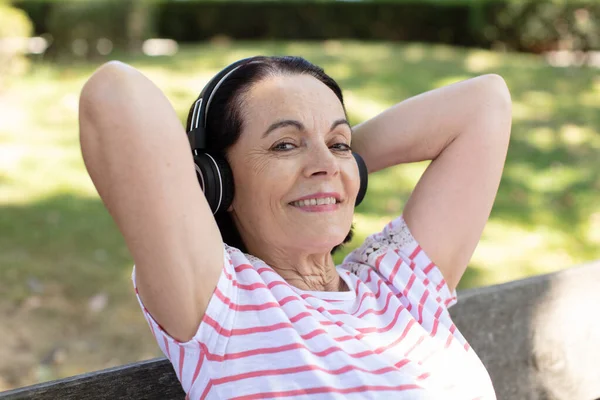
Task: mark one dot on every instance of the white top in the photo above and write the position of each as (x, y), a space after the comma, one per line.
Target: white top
(390, 336)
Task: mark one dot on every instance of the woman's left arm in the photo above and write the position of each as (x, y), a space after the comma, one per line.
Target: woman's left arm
(464, 129)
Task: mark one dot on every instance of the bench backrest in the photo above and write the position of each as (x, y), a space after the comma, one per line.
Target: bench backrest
(539, 338)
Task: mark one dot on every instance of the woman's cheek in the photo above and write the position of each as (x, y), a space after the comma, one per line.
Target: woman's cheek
(259, 164)
(352, 180)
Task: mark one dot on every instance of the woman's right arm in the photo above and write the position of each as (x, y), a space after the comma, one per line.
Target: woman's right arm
(137, 154)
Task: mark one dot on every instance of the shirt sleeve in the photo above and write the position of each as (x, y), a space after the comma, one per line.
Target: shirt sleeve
(403, 264)
(208, 334)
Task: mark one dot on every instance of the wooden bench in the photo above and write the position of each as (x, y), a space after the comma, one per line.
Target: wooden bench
(538, 337)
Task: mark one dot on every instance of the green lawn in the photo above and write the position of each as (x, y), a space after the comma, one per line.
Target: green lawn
(67, 305)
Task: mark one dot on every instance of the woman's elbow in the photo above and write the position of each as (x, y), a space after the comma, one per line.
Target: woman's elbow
(495, 103)
(104, 94)
(496, 93)
(98, 100)
(106, 82)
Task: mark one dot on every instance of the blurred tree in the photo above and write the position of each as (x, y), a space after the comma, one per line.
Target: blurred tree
(15, 29)
(88, 29)
(91, 27)
(140, 24)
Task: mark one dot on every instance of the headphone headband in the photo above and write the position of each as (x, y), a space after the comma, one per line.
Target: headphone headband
(197, 118)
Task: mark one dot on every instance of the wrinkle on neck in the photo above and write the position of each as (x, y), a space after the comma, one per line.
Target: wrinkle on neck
(311, 272)
(301, 269)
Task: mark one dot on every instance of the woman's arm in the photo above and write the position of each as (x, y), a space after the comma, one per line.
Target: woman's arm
(464, 128)
(137, 154)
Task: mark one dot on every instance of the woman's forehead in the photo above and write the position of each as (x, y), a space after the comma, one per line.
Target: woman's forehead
(299, 97)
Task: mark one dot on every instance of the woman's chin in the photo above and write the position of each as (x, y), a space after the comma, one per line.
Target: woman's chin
(321, 242)
(314, 231)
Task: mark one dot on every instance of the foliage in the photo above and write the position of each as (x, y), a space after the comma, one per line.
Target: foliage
(14, 25)
(90, 28)
(539, 26)
(524, 25)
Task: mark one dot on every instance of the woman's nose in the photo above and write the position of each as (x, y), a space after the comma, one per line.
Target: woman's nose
(321, 161)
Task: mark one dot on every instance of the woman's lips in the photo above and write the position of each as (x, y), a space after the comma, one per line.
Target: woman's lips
(317, 203)
(320, 195)
(318, 207)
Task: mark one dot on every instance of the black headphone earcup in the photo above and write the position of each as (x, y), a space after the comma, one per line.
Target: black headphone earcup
(228, 184)
(197, 138)
(216, 180)
(363, 173)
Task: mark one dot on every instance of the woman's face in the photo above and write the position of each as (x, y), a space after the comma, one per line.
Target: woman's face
(296, 180)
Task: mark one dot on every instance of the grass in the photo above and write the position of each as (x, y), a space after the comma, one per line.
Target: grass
(67, 305)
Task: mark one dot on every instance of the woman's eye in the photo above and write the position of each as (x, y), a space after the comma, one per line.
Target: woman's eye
(284, 146)
(341, 147)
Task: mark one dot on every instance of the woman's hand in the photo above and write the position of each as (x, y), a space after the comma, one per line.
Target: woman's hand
(464, 128)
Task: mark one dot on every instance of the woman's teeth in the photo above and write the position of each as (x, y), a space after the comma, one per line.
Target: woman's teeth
(314, 202)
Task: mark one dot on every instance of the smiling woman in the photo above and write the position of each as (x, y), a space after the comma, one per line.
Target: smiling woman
(243, 297)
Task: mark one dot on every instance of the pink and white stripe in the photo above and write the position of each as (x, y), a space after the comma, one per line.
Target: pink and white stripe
(390, 336)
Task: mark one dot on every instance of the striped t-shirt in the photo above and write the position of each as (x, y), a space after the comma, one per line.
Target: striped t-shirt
(389, 336)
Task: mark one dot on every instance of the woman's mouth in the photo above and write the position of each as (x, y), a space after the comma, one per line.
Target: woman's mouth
(318, 202)
(314, 202)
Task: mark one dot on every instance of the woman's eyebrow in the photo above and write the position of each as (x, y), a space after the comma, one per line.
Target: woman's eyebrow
(298, 125)
(341, 121)
(281, 124)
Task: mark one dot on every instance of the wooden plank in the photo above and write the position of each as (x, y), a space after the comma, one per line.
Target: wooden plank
(152, 379)
(537, 337)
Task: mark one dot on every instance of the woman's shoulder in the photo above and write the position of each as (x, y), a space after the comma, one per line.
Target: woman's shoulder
(238, 257)
(395, 235)
(400, 260)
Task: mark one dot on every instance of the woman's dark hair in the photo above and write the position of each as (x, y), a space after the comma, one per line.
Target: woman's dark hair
(225, 118)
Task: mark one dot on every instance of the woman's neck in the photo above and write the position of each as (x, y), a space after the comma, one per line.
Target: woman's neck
(312, 272)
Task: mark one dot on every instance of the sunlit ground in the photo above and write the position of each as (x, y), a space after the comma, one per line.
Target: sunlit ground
(67, 305)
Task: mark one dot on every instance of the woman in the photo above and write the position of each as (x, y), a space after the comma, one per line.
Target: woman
(279, 319)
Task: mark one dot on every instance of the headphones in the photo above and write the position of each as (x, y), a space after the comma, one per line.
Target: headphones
(212, 169)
